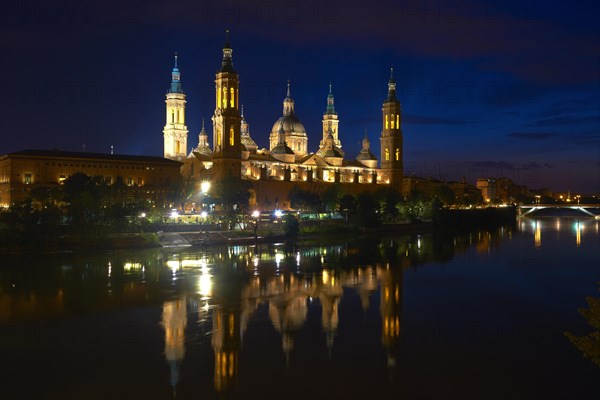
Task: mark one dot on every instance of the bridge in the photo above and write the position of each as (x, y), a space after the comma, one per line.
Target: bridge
(527, 209)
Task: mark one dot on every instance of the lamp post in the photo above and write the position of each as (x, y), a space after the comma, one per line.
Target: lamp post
(256, 216)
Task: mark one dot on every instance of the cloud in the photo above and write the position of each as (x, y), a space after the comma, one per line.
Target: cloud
(566, 120)
(424, 120)
(531, 135)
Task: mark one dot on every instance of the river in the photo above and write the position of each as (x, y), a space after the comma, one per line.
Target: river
(475, 315)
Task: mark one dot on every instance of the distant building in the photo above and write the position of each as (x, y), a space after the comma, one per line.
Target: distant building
(144, 176)
(501, 190)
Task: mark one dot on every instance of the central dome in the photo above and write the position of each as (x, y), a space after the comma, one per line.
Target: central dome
(295, 134)
(291, 126)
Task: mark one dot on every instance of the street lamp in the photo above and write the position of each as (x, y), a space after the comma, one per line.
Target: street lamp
(255, 215)
(204, 187)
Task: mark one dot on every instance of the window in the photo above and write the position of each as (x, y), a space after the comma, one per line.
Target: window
(218, 98)
(140, 181)
(387, 155)
(172, 116)
(392, 122)
(108, 180)
(27, 179)
(224, 97)
(129, 181)
(231, 136)
(232, 97)
(386, 122)
(397, 154)
(397, 121)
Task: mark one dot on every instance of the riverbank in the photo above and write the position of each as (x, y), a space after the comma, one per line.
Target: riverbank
(445, 219)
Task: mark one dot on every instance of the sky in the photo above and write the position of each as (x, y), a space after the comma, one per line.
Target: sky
(488, 89)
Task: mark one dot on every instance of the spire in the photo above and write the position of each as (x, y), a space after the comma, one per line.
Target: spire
(175, 78)
(227, 63)
(242, 111)
(288, 102)
(392, 87)
(330, 106)
(202, 130)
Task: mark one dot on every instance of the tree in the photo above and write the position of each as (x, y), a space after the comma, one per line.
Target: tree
(331, 197)
(444, 193)
(589, 344)
(233, 196)
(367, 210)
(180, 191)
(304, 200)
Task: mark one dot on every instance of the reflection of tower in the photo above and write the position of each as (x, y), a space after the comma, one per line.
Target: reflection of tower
(329, 317)
(174, 321)
(226, 341)
(391, 310)
(288, 316)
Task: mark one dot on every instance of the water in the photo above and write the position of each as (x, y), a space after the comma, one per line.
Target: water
(480, 315)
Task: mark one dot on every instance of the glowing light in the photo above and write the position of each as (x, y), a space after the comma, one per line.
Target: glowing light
(109, 269)
(205, 285)
(203, 214)
(174, 214)
(278, 213)
(204, 187)
(278, 258)
(325, 276)
(256, 213)
(578, 229)
(538, 234)
(128, 266)
(143, 215)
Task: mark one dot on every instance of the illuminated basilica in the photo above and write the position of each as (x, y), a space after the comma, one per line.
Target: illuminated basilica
(288, 161)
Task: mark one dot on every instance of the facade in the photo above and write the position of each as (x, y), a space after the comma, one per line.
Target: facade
(175, 131)
(501, 190)
(22, 171)
(289, 161)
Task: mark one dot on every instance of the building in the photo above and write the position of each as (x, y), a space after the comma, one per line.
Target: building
(144, 176)
(288, 161)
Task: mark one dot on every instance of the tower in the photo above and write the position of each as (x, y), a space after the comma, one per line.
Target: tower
(391, 137)
(330, 122)
(227, 120)
(175, 131)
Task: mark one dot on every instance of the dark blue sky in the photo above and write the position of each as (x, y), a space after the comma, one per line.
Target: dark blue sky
(487, 88)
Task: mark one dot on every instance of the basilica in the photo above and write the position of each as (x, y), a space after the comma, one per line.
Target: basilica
(289, 161)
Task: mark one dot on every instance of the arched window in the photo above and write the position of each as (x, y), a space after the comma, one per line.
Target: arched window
(224, 97)
(397, 121)
(387, 155)
(232, 97)
(218, 137)
(231, 136)
(172, 116)
(397, 154)
(386, 122)
(218, 98)
(392, 122)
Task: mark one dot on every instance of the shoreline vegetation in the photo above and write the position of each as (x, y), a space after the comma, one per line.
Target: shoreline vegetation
(291, 230)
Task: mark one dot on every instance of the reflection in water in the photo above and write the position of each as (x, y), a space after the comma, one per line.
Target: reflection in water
(233, 288)
(174, 321)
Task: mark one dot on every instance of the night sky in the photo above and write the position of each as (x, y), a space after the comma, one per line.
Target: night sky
(487, 88)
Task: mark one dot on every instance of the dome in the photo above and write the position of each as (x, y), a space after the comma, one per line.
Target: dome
(366, 155)
(291, 126)
(332, 152)
(282, 149)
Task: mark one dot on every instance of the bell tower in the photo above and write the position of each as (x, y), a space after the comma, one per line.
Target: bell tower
(175, 131)
(330, 122)
(227, 120)
(391, 137)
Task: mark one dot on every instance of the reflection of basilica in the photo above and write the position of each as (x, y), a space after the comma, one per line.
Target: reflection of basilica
(287, 296)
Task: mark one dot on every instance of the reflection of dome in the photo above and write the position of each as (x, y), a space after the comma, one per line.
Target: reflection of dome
(291, 126)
